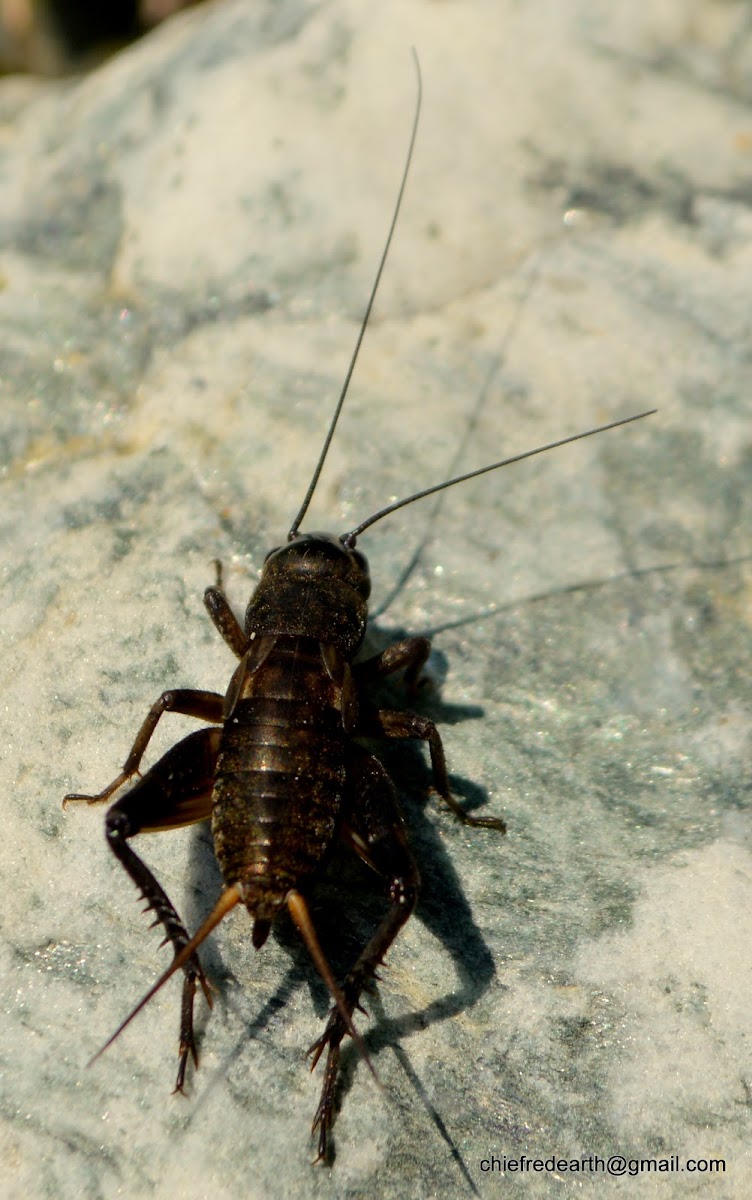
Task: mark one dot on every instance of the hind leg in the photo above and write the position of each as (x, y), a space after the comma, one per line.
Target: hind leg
(176, 791)
(375, 830)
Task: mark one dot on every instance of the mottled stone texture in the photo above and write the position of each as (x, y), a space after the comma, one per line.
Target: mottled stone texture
(188, 239)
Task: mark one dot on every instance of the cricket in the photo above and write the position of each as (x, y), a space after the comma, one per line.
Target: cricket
(279, 769)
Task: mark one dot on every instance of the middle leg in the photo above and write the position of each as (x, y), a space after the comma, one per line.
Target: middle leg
(391, 723)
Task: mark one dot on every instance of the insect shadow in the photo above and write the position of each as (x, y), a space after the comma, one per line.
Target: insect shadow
(346, 908)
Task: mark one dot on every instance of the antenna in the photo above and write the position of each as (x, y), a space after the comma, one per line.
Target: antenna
(348, 539)
(364, 323)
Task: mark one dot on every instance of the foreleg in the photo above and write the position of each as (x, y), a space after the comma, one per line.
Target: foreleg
(224, 619)
(410, 655)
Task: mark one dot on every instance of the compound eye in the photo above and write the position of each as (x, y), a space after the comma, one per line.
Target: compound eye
(361, 560)
(271, 552)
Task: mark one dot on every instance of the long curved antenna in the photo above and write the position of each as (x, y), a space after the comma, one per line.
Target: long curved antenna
(364, 323)
(348, 539)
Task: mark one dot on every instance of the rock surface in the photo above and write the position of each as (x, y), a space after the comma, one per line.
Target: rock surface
(188, 239)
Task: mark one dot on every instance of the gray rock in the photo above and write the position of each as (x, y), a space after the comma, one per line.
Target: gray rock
(189, 236)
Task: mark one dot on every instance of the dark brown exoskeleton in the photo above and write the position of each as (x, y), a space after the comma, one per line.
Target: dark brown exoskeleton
(280, 773)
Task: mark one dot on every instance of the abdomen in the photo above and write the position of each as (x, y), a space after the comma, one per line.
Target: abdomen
(281, 773)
